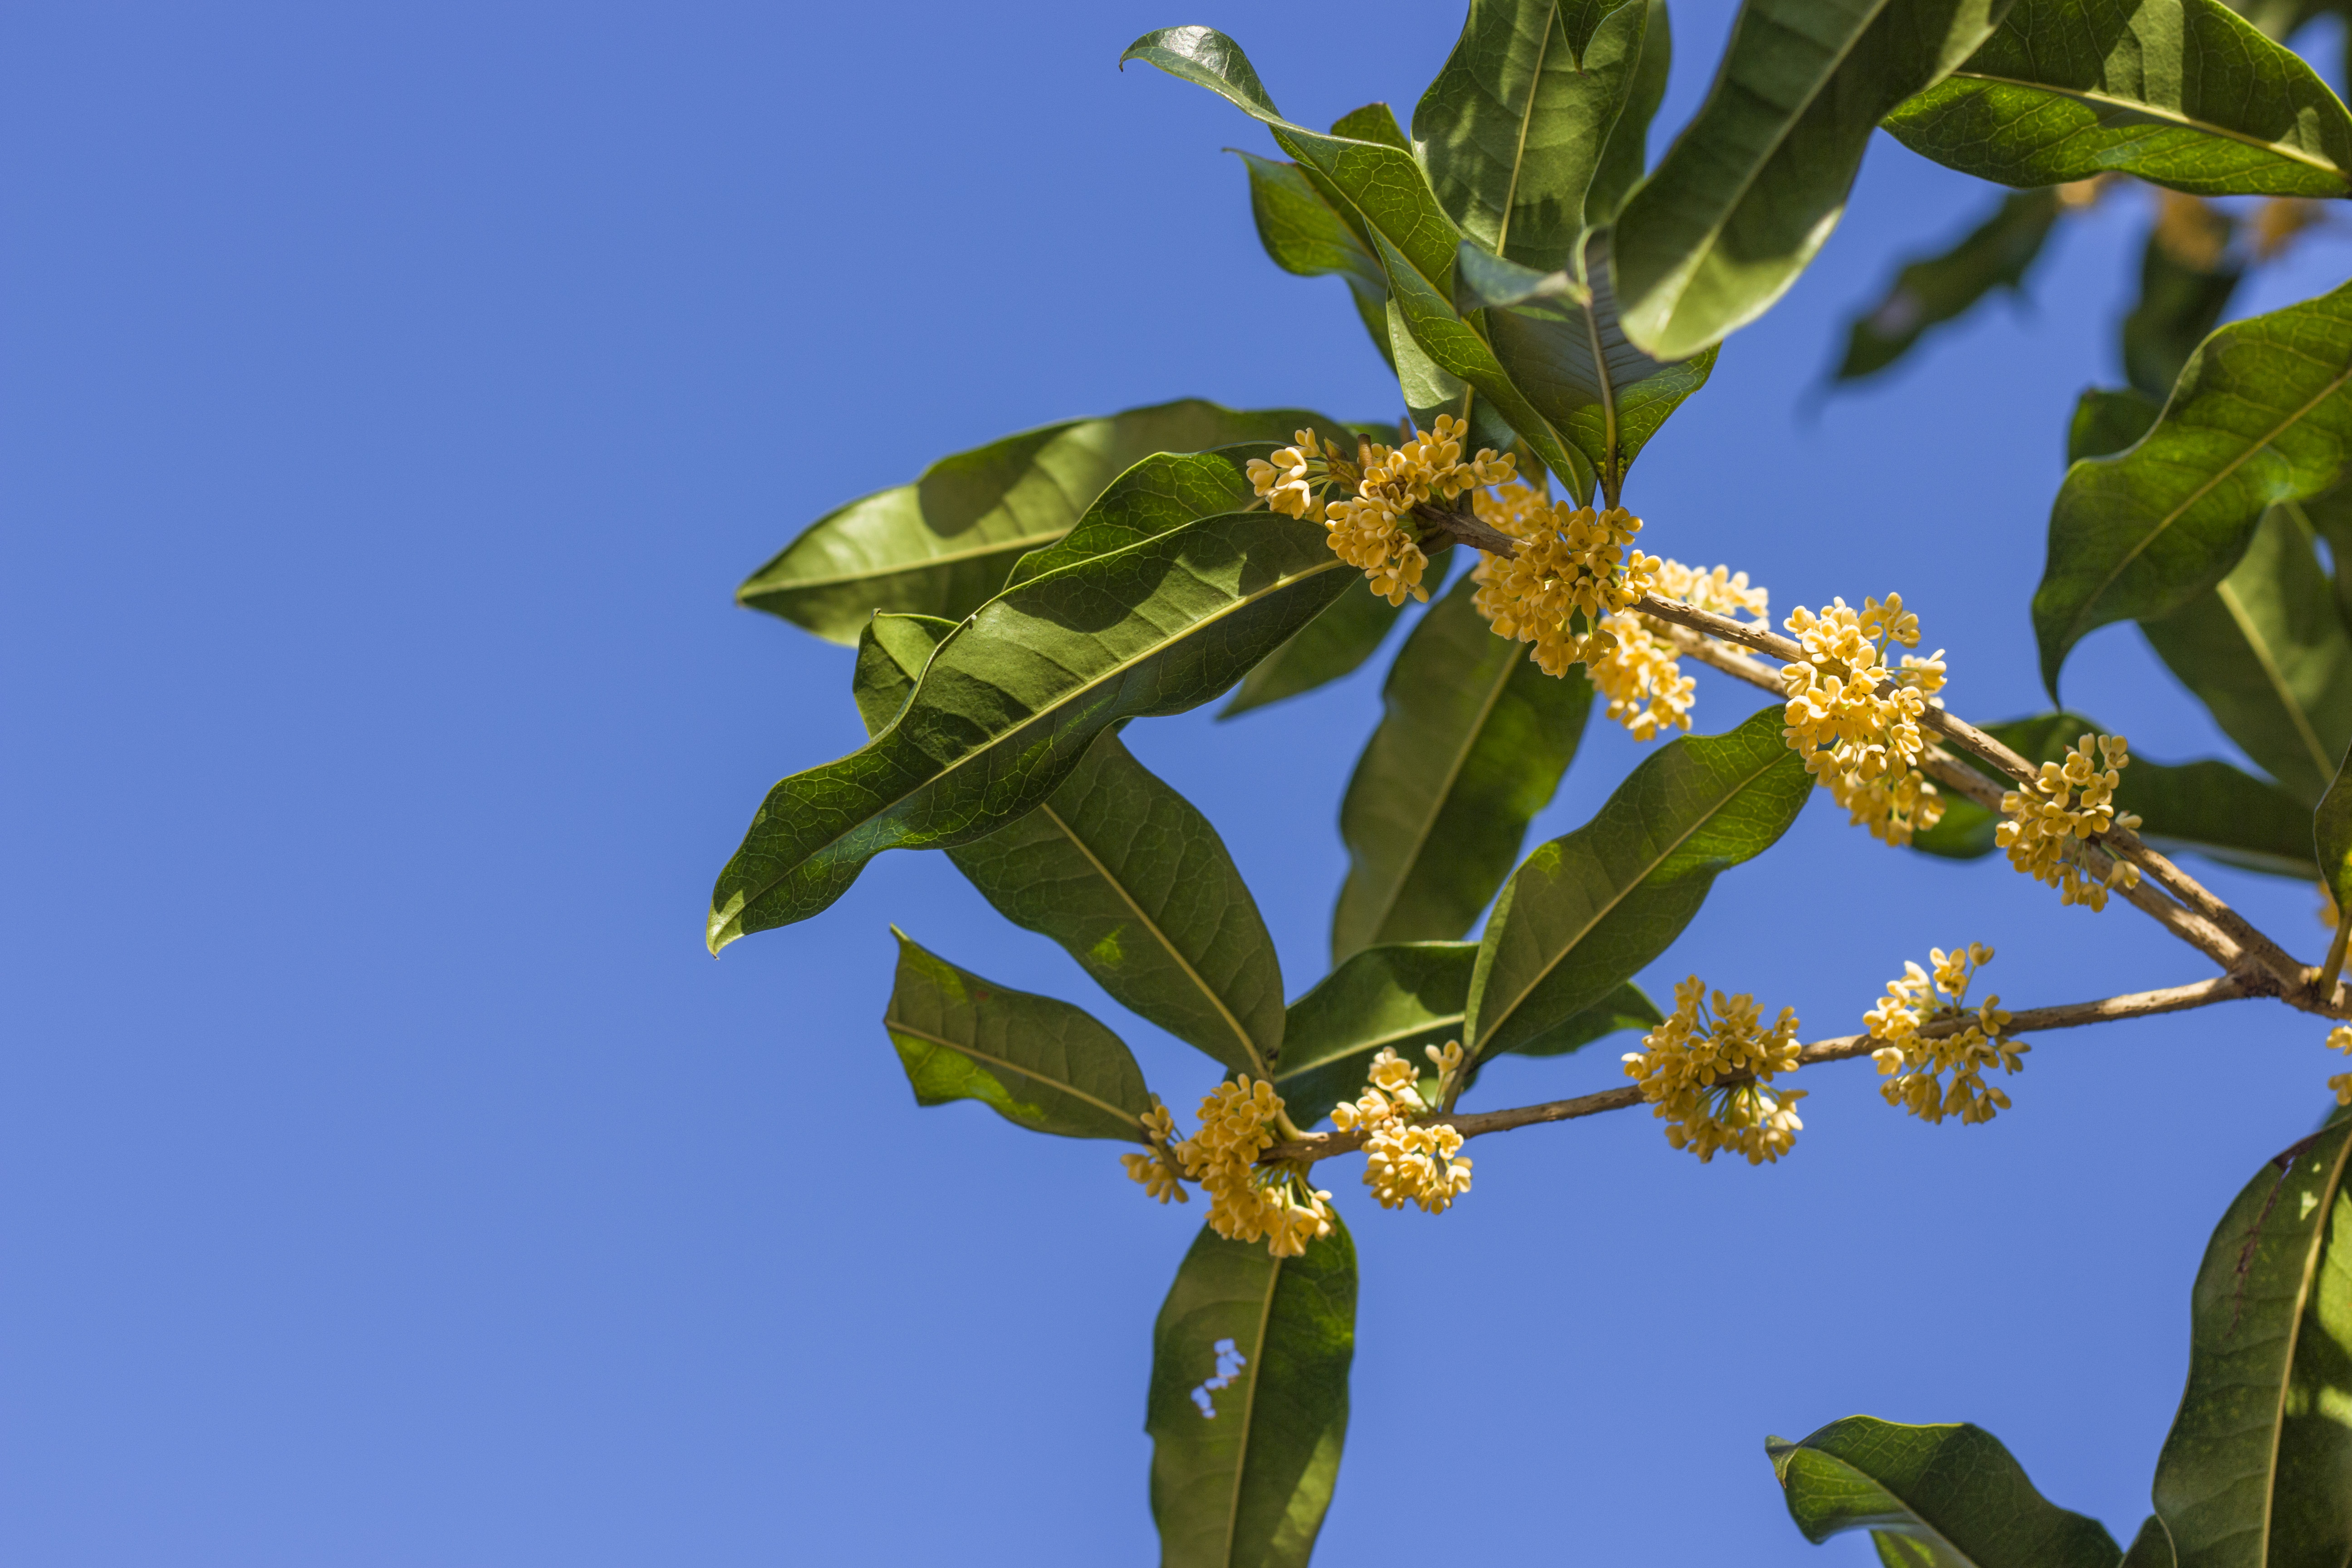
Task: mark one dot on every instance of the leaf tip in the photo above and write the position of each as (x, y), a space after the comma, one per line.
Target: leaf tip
(726, 924)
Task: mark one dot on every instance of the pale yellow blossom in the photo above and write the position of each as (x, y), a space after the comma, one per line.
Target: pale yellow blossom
(1684, 1063)
(2046, 826)
(1915, 1064)
(1854, 718)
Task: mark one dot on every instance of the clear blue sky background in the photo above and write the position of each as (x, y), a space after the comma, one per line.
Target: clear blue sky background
(393, 395)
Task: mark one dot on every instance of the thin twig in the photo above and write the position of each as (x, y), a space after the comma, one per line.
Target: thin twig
(2038, 1020)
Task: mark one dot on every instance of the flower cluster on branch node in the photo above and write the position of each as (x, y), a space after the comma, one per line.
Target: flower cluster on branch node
(1159, 1170)
(1854, 718)
(1403, 1162)
(1916, 1064)
(2047, 826)
(1641, 676)
(1684, 1063)
(1372, 528)
(1239, 1121)
(1573, 570)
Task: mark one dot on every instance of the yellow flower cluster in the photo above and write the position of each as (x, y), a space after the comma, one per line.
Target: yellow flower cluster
(1684, 1062)
(1158, 1171)
(1915, 1063)
(2045, 827)
(1642, 675)
(1854, 718)
(1239, 1121)
(1571, 572)
(1404, 1163)
(1372, 529)
(2339, 1038)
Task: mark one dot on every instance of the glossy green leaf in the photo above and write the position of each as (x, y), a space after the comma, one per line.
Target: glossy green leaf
(2267, 653)
(1164, 491)
(2208, 807)
(1401, 219)
(1512, 131)
(1336, 642)
(2179, 92)
(943, 545)
(1472, 743)
(1627, 1007)
(1403, 997)
(1121, 870)
(2257, 1469)
(1305, 234)
(2259, 417)
(1249, 1401)
(2179, 303)
(2151, 1548)
(1559, 336)
(1014, 697)
(1942, 288)
(2329, 519)
(1626, 156)
(1035, 1061)
(1753, 186)
(2107, 420)
(1947, 1496)
(1584, 913)
(2331, 834)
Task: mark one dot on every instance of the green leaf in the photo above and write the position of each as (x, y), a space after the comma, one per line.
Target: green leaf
(1305, 234)
(2151, 1548)
(2268, 655)
(2331, 834)
(2329, 518)
(1942, 288)
(2257, 1468)
(2209, 807)
(1035, 1061)
(1627, 1007)
(1249, 1401)
(1949, 1495)
(1472, 743)
(1121, 870)
(1161, 492)
(2259, 417)
(1751, 190)
(1559, 336)
(1513, 129)
(2179, 92)
(1584, 913)
(2179, 303)
(1626, 157)
(943, 545)
(1014, 697)
(2107, 420)
(1401, 219)
(1403, 997)
(1333, 644)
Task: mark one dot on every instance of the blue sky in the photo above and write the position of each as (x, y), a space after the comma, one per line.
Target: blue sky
(393, 396)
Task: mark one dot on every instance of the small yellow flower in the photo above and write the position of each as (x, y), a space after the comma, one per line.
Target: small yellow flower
(2045, 826)
(1404, 1163)
(1158, 1170)
(1684, 1062)
(1373, 528)
(1574, 568)
(1854, 718)
(2339, 1038)
(1239, 1121)
(1915, 1064)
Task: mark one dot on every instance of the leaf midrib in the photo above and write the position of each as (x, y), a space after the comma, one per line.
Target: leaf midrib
(1239, 603)
(1935, 1536)
(1025, 542)
(1249, 1046)
(1370, 1043)
(2156, 111)
(2318, 1243)
(2245, 456)
(897, 1026)
(2260, 647)
(1249, 1424)
(1527, 121)
(1488, 1033)
(1445, 792)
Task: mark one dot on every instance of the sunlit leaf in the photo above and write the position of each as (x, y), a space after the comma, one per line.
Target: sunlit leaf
(2259, 417)
(1305, 234)
(1164, 491)
(1037, 1062)
(1249, 1400)
(1333, 644)
(2267, 653)
(2108, 420)
(943, 545)
(1472, 742)
(1947, 1496)
(1402, 219)
(2257, 1469)
(1584, 913)
(2179, 92)
(2209, 808)
(1751, 190)
(1512, 131)
(1626, 157)
(1123, 872)
(1941, 288)
(1014, 697)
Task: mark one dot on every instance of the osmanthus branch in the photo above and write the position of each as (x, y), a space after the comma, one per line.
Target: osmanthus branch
(1316, 1146)
(2198, 917)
